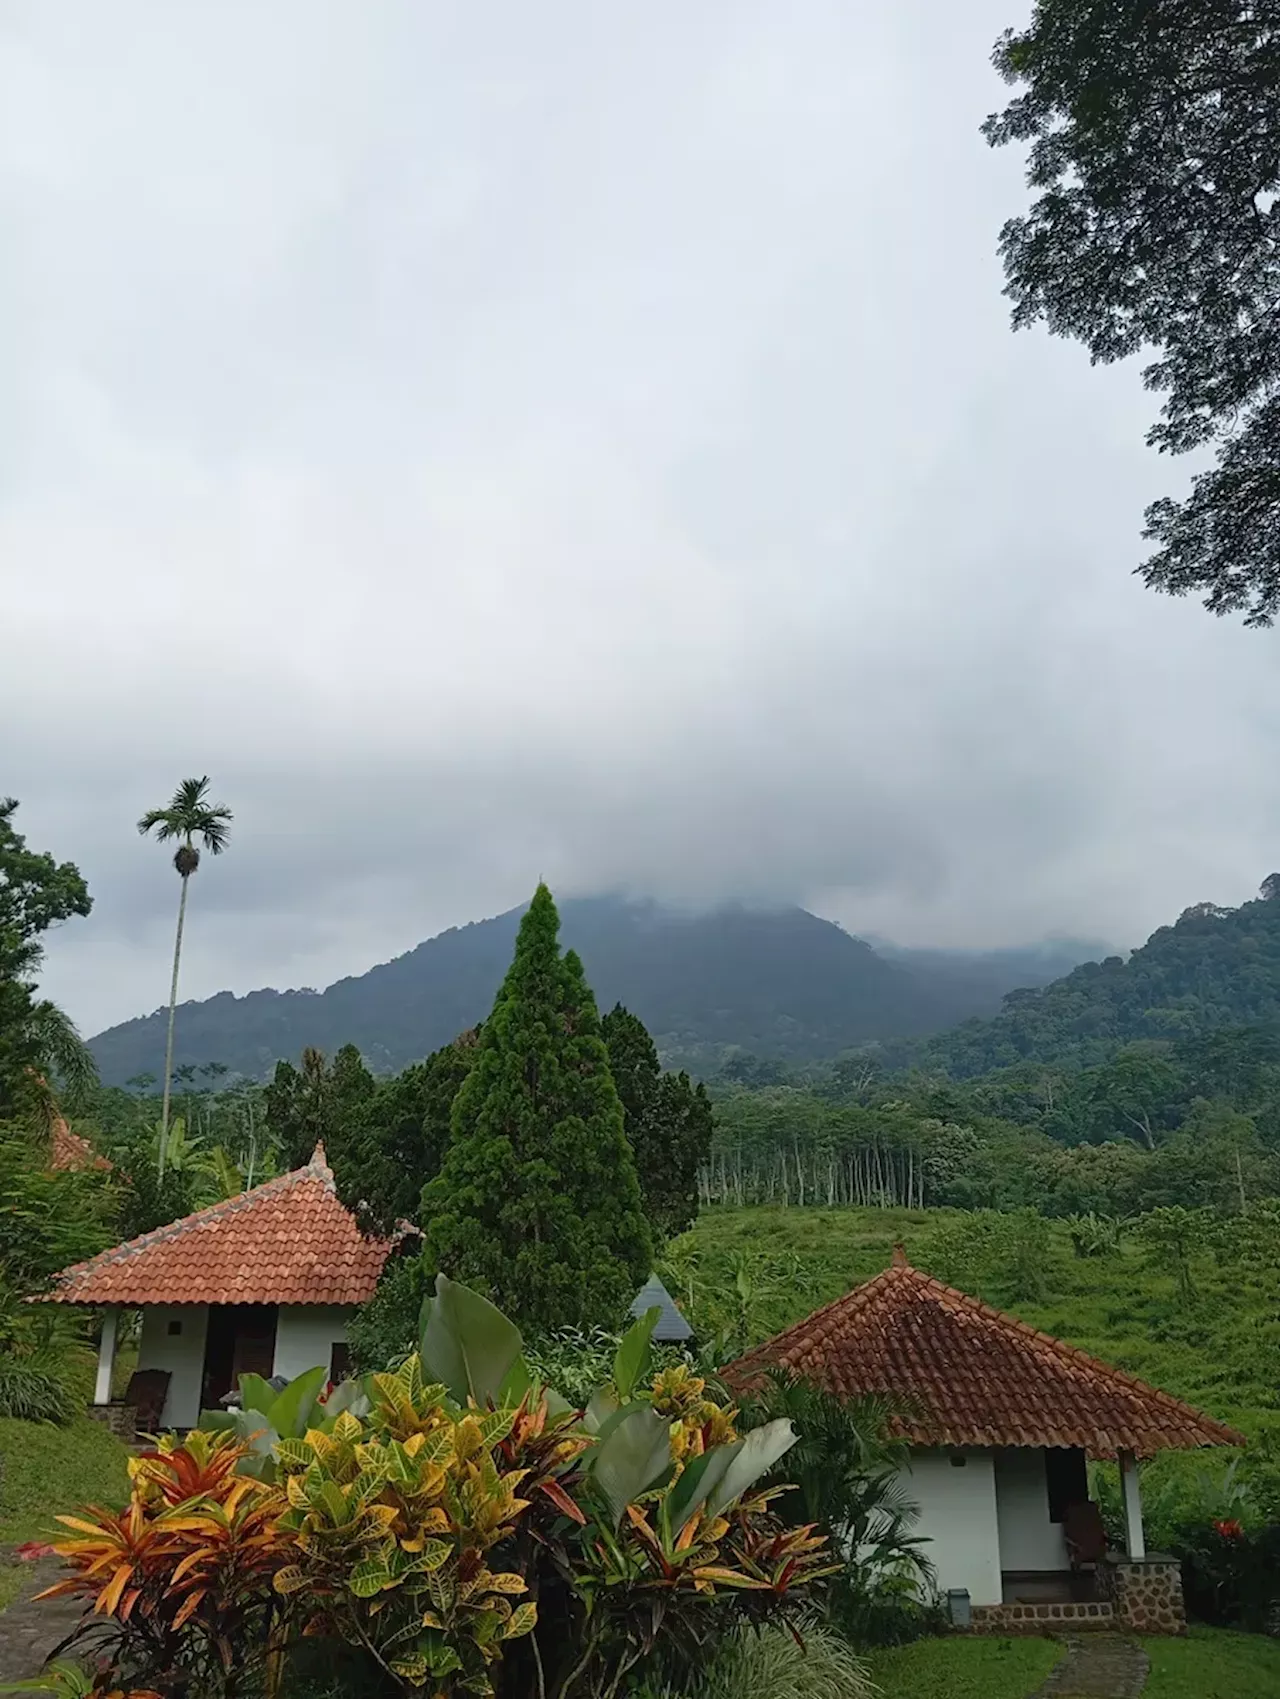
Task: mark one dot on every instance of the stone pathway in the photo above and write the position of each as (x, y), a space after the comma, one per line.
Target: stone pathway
(30, 1631)
(1098, 1666)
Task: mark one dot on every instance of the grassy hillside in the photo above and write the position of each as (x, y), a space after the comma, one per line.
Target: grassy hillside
(752, 1271)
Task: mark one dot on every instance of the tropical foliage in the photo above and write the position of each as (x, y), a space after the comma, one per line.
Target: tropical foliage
(454, 1522)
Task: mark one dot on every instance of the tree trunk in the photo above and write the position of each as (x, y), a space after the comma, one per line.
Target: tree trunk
(173, 1007)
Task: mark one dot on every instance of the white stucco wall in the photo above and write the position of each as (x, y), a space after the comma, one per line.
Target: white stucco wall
(181, 1353)
(306, 1335)
(1028, 1540)
(957, 1516)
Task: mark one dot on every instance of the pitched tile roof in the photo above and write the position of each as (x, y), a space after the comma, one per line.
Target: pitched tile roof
(969, 1375)
(67, 1150)
(290, 1241)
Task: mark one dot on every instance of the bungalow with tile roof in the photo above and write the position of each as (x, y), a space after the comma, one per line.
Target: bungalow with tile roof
(262, 1283)
(1001, 1421)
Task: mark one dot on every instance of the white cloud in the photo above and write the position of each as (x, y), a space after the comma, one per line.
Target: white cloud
(496, 443)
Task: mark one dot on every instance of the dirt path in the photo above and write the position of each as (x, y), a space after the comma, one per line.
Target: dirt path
(1097, 1666)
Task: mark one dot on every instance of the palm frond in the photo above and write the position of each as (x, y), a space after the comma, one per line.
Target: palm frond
(62, 1052)
(188, 815)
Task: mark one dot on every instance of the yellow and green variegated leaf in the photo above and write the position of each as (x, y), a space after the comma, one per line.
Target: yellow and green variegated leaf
(521, 1621)
(495, 1425)
(291, 1579)
(296, 1492)
(431, 1620)
(335, 1501)
(508, 1582)
(728, 1577)
(415, 1670)
(294, 1453)
(434, 1554)
(347, 1428)
(368, 1577)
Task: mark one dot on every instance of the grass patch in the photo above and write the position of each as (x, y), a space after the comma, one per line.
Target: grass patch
(48, 1470)
(964, 1668)
(1213, 1663)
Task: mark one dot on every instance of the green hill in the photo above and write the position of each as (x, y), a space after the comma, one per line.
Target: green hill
(1213, 968)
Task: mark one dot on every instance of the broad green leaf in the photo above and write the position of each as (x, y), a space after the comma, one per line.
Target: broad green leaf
(467, 1343)
(291, 1412)
(635, 1454)
(698, 1480)
(600, 1406)
(257, 1394)
(635, 1351)
(755, 1455)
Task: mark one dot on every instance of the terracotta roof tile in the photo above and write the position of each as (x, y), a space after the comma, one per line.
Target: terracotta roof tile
(290, 1241)
(67, 1150)
(970, 1375)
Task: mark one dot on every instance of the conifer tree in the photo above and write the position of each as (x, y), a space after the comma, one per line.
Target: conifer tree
(538, 1204)
(668, 1122)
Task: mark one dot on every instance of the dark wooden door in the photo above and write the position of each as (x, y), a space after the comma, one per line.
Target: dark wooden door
(241, 1340)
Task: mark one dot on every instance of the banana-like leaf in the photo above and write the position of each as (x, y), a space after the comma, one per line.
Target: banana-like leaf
(634, 1455)
(352, 1395)
(467, 1343)
(755, 1455)
(291, 1412)
(634, 1353)
(698, 1481)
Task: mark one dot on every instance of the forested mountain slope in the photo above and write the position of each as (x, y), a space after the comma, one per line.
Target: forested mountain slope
(783, 983)
(1213, 968)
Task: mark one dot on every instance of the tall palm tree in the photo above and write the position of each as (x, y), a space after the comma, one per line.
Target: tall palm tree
(188, 816)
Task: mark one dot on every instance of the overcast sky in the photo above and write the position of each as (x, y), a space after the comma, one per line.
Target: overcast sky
(585, 441)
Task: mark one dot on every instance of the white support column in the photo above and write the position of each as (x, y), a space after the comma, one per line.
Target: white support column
(106, 1355)
(1135, 1539)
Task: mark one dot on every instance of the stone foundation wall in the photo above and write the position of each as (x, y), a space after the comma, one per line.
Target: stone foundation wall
(121, 1418)
(1042, 1618)
(1147, 1595)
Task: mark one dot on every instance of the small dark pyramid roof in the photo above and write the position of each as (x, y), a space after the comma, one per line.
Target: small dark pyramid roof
(672, 1328)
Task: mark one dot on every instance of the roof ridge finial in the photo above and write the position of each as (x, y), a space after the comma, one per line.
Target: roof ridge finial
(900, 1255)
(318, 1158)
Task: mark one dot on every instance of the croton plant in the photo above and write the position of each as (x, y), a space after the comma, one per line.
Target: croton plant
(454, 1522)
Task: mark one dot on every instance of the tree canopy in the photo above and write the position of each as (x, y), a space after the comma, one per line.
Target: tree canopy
(36, 1038)
(668, 1122)
(538, 1202)
(1154, 132)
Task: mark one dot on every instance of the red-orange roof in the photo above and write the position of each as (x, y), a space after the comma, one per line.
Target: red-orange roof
(290, 1241)
(67, 1150)
(967, 1374)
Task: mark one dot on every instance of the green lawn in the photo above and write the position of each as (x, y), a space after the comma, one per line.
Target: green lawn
(47, 1470)
(963, 1668)
(1212, 1663)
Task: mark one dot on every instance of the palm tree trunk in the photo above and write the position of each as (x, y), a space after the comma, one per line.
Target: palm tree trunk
(173, 1007)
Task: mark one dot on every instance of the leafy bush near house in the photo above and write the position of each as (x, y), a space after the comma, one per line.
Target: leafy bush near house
(45, 1371)
(455, 1524)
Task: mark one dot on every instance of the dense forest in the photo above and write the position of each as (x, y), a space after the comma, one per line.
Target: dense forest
(779, 983)
(1215, 967)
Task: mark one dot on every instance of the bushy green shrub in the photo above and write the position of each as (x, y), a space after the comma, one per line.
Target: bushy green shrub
(772, 1663)
(44, 1367)
(33, 1394)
